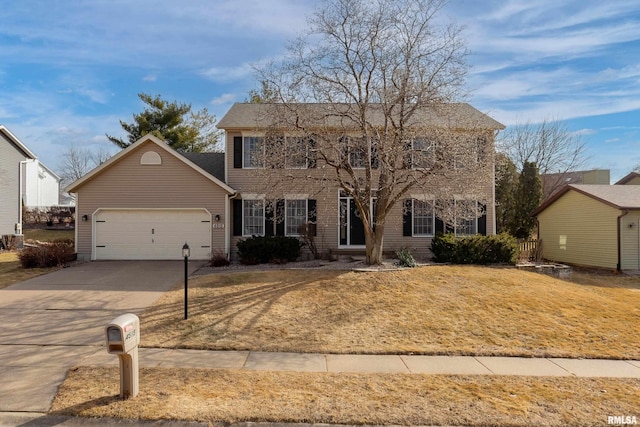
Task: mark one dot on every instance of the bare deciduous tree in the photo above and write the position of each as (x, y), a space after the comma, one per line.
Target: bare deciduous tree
(549, 144)
(78, 161)
(381, 75)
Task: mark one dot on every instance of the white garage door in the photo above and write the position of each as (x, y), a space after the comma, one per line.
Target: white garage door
(152, 234)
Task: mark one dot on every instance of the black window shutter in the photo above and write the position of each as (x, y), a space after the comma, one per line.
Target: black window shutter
(439, 225)
(312, 215)
(237, 152)
(407, 218)
(408, 149)
(268, 218)
(279, 217)
(237, 217)
(375, 162)
(482, 221)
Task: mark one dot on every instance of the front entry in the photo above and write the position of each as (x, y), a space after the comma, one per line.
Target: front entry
(351, 226)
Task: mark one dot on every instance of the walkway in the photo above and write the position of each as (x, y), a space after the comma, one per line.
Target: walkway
(397, 364)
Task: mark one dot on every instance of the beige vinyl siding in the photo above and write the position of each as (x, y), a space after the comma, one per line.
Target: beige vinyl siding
(630, 241)
(128, 184)
(633, 181)
(245, 181)
(10, 159)
(580, 230)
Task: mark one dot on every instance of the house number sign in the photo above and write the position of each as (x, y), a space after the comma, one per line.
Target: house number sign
(218, 225)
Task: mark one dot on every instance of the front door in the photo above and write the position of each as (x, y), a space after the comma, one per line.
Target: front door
(351, 226)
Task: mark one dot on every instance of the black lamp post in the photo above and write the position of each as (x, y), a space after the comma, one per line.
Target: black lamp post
(185, 253)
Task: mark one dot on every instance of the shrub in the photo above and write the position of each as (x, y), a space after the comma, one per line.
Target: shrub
(405, 258)
(492, 249)
(265, 249)
(50, 255)
(218, 259)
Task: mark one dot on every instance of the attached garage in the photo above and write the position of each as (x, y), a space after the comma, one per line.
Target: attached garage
(153, 234)
(148, 200)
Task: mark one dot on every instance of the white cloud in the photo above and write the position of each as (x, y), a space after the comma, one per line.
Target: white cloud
(150, 78)
(226, 98)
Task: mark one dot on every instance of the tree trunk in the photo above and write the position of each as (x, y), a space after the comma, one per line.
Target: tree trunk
(374, 244)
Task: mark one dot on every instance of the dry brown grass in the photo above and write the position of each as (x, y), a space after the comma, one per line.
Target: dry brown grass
(430, 310)
(12, 272)
(41, 235)
(376, 399)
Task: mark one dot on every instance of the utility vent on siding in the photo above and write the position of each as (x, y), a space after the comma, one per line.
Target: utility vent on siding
(151, 158)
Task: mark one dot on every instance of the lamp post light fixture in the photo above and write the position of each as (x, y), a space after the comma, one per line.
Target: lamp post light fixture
(186, 252)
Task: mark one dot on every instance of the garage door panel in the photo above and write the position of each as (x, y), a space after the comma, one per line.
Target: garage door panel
(152, 234)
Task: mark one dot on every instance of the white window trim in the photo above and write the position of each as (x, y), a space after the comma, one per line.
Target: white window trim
(306, 157)
(475, 221)
(306, 209)
(431, 150)
(244, 165)
(264, 217)
(433, 218)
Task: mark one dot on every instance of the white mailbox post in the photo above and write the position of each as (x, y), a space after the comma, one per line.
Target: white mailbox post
(123, 338)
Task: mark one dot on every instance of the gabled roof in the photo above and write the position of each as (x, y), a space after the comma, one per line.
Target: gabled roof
(210, 162)
(73, 187)
(627, 178)
(621, 197)
(254, 115)
(16, 142)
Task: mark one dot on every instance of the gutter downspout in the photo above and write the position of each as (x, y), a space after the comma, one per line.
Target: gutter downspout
(227, 223)
(21, 187)
(626, 212)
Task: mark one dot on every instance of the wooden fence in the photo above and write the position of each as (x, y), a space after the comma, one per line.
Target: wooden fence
(530, 250)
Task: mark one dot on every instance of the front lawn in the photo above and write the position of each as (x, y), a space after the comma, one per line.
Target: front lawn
(454, 310)
(430, 310)
(228, 396)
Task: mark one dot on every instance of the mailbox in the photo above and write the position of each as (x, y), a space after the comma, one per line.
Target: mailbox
(123, 334)
(123, 338)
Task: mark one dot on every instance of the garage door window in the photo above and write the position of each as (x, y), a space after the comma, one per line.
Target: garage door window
(253, 217)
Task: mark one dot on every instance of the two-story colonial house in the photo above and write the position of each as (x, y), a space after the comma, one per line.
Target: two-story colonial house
(278, 173)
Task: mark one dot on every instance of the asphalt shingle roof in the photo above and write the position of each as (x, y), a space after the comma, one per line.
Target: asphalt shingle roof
(253, 115)
(212, 163)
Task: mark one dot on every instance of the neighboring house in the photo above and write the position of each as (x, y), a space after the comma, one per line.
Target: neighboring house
(14, 156)
(554, 182)
(42, 185)
(632, 178)
(148, 200)
(592, 225)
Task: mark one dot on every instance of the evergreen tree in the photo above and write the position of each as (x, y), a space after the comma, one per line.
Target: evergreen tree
(528, 197)
(506, 186)
(172, 122)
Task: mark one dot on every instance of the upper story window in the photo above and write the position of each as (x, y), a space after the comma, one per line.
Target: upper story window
(297, 152)
(253, 151)
(423, 153)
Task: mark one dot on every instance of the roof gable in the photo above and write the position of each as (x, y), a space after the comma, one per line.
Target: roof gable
(16, 143)
(73, 187)
(623, 197)
(627, 178)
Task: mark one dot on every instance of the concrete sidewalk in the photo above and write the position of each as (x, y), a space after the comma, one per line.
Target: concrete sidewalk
(357, 363)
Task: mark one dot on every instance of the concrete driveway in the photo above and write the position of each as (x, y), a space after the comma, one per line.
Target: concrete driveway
(50, 323)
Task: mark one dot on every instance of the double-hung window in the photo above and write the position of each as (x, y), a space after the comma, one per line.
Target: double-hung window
(295, 216)
(296, 152)
(253, 217)
(466, 217)
(422, 154)
(253, 151)
(423, 218)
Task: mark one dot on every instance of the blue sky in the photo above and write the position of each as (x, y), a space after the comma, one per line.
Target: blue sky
(71, 69)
